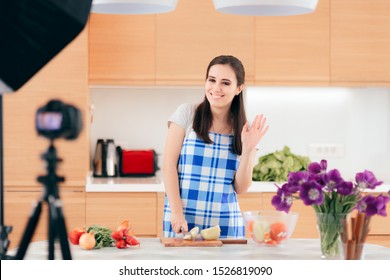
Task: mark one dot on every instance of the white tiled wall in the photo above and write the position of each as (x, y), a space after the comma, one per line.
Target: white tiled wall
(358, 119)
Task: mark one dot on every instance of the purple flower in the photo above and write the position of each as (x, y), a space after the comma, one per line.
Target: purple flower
(317, 171)
(282, 201)
(373, 205)
(328, 192)
(311, 193)
(367, 180)
(333, 179)
(318, 168)
(344, 188)
(296, 179)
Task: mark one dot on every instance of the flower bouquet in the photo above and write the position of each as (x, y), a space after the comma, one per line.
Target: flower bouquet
(332, 198)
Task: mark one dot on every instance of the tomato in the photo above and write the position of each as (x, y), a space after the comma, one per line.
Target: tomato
(117, 235)
(130, 240)
(123, 236)
(271, 242)
(121, 244)
(75, 234)
(250, 226)
(278, 231)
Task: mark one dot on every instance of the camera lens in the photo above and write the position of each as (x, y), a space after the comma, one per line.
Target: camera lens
(58, 120)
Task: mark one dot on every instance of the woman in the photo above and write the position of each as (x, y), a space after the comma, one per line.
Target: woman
(209, 152)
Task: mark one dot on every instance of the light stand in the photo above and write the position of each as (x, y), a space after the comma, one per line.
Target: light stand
(56, 223)
(4, 230)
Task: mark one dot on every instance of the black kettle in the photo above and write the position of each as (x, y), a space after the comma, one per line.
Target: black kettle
(105, 162)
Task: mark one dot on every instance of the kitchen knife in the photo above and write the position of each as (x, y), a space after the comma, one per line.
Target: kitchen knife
(186, 234)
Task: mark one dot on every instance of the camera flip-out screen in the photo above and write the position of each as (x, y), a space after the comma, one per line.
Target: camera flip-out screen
(49, 120)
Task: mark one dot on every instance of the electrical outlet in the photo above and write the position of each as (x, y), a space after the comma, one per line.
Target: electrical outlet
(326, 150)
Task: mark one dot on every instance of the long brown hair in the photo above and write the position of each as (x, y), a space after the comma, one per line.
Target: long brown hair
(203, 117)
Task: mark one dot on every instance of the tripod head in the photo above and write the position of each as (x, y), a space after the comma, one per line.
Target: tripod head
(51, 179)
(56, 120)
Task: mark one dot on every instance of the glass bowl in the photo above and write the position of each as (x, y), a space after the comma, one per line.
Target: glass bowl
(269, 227)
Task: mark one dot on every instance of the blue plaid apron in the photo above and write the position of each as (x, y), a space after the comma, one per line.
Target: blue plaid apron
(206, 173)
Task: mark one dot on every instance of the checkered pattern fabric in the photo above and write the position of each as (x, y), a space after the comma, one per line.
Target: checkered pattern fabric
(206, 173)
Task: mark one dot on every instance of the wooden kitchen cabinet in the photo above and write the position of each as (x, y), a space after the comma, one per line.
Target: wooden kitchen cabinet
(250, 202)
(168, 49)
(110, 209)
(19, 201)
(160, 213)
(192, 35)
(344, 42)
(360, 42)
(65, 78)
(122, 49)
(293, 50)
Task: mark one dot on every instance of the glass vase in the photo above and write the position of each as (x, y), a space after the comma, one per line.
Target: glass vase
(353, 250)
(330, 225)
(355, 230)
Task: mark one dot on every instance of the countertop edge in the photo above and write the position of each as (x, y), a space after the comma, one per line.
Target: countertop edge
(155, 184)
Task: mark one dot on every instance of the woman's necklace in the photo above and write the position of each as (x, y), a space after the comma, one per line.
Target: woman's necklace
(223, 130)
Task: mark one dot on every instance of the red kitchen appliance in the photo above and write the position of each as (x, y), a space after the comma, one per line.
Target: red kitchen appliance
(137, 162)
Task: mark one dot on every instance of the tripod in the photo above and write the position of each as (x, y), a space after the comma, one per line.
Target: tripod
(56, 223)
(4, 230)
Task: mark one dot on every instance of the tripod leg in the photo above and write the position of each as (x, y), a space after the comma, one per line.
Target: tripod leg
(60, 227)
(52, 217)
(30, 229)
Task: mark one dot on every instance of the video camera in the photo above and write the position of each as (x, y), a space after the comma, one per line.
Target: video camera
(57, 119)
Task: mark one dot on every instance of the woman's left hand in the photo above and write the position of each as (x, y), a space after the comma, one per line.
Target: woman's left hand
(251, 136)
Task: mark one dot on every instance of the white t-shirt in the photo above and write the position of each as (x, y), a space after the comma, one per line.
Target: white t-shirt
(184, 117)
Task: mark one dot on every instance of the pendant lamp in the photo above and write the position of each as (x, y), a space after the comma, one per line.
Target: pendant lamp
(265, 7)
(133, 6)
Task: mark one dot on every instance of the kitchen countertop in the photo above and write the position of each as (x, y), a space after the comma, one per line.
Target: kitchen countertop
(155, 184)
(152, 249)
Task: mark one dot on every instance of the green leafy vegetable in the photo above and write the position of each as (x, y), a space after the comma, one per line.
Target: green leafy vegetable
(275, 167)
(102, 236)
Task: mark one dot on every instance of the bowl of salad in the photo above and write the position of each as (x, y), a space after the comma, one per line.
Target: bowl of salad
(270, 228)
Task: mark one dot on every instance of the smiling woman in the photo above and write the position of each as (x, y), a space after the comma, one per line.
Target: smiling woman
(208, 155)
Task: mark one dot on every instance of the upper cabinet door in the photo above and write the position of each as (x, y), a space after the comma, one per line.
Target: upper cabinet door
(191, 36)
(65, 77)
(360, 41)
(293, 50)
(122, 49)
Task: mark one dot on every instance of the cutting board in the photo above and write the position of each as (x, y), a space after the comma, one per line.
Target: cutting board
(176, 242)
